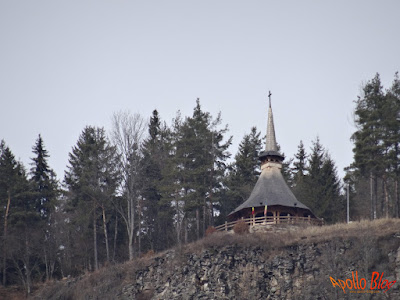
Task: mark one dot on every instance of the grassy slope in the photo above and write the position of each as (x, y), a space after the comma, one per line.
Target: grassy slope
(111, 279)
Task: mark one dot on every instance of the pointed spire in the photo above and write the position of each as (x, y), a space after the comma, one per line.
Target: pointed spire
(269, 97)
(271, 140)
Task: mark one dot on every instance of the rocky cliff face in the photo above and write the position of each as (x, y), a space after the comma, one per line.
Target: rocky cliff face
(297, 272)
(256, 267)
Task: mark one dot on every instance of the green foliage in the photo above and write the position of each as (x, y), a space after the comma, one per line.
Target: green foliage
(316, 183)
(20, 220)
(43, 181)
(376, 146)
(14, 185)
(299, 169)
(196, 165)
(158, 212)
(92, 172)
(92, 179)
(243, 173)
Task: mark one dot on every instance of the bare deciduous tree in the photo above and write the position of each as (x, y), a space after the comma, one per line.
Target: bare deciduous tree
(127, 135)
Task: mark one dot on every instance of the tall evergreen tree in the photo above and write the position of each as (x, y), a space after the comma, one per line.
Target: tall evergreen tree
(243, 173)
(323, 196)
(199, 155)
(45, 191)
(158, 213)
(20, 219)
(206, 164)
(10, 172)
(300, 188)
(376, 144)
(299, 169)
(92, 180)
(43, 180)
(367, 139)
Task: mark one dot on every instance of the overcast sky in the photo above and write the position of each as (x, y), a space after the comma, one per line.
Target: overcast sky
(68, 64)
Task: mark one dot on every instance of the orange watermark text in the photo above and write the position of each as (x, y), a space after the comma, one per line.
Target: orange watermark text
(376, 283)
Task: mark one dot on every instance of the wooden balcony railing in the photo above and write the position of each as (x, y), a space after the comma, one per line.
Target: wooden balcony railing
(252, 221)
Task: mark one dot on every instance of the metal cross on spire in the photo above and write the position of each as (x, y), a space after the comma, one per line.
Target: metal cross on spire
(269, 97)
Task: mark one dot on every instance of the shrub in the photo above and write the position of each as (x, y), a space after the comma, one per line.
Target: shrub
(148, 254)
(241, 227)
(210, 230)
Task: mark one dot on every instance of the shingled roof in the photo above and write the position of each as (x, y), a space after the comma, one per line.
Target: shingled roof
(271, 188)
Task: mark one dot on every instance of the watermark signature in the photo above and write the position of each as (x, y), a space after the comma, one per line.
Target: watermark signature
(360, 285)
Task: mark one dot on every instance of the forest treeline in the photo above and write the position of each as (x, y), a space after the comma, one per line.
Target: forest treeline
(147, 186)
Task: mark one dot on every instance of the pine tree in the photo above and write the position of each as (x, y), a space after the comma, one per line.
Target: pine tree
(158, 213)
(286, 168)
(243, 173)
(173, 177)
(198, 160)
(336, 208)
(322, 187)
(299, 170)
(92, 180)
(45, 191)
(10, 172)
(314, 181)
(205, 162)
(367, 139)
(20, 218)
(376, 144)
(43, 180)
(393, 97)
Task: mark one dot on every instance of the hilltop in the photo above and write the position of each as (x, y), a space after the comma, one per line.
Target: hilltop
(275, 265)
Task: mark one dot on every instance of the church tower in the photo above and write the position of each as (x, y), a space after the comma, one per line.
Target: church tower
(271, 196)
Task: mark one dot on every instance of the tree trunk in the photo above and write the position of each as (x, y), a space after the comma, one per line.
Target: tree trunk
(197, 223)
(178, 223)
(131, 225)
(204, 217)
(5, 239)
(96, 263)
(131, 252)
(382, 199)
(371, 189)
(139, 228)
(105, 233)
(46, 261)
(115, 236)
(186, 230)
(375, 195)
(386, 197)
(396, 189)
(27, 266)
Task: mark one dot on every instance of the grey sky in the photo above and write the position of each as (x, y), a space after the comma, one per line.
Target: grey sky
(67, 64)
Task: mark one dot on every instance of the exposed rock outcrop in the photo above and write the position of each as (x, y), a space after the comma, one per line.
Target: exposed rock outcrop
(255, 266)
(297, 272)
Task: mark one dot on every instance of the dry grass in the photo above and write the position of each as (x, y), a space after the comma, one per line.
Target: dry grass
(303, 234)
(110, 280)
(104, 282)
(210, 230)
(12, 293)
(241, 227)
